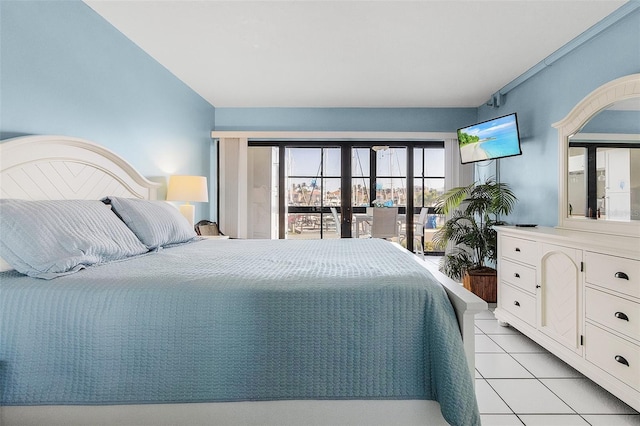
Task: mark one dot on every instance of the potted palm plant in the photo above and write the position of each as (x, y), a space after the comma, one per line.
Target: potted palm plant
(474, 211)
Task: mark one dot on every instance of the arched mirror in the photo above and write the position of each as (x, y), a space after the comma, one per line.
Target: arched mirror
(599, 161)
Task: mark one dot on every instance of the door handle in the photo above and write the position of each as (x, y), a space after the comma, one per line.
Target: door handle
(517, 249)
(516, 303)
(622, 276)
(621, 315)
(621, 360)
(517, 275)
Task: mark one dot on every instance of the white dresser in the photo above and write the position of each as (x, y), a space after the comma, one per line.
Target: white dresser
(578, 295)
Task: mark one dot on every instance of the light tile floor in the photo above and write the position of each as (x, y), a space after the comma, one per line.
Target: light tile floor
(518, 382)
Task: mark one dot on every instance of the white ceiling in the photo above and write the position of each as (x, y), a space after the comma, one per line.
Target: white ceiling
(429, 53)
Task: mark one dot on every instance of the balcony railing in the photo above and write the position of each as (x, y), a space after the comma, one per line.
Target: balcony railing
(307, 226)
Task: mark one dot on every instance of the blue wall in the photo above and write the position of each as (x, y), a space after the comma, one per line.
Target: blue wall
(614, 122)
(67, 71)
(547, 98)
(64, 70)
(345, 119)
(539, 101)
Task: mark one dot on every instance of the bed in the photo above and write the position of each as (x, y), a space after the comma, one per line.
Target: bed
(182, 330)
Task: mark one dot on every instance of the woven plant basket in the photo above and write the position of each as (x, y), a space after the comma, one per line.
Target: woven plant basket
(483, 282)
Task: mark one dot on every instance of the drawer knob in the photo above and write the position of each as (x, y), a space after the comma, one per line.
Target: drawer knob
(516, 303)
(517, 275)
(517, 249)
(621, 315)
(622, 276)
(621, 360)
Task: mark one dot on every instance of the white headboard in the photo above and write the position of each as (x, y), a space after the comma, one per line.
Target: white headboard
(61, 167)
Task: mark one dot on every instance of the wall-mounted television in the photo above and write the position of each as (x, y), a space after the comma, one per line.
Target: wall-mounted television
(491, 139)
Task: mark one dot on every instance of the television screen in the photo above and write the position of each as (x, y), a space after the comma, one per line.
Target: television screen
(490, 139)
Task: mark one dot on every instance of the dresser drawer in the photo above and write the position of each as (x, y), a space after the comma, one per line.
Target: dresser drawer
(524, 251)
(614, 312)
(614, 355)
(612, 272)
(518, 303)
(518, 275)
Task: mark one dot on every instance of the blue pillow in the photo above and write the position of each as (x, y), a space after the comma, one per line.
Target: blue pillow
(156, 223)
(50, 238)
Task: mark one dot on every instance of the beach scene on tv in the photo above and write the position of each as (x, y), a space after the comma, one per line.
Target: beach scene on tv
(491, 139)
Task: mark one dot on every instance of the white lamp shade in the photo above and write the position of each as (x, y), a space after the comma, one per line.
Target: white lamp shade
(187, 188)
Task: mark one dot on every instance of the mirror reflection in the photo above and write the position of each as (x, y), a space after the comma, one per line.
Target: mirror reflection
(604, 165)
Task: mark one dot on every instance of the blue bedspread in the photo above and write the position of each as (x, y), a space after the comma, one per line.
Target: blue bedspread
(231, 320)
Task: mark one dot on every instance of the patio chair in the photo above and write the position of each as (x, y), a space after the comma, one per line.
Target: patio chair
(384, 223)
(336, 219)
(418, 233)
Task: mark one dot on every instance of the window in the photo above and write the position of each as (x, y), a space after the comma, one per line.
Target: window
(428, 169)
(313, 185)
(323, 184)
(391, 176)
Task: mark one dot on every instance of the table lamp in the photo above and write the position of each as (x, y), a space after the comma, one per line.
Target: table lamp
(188, 189)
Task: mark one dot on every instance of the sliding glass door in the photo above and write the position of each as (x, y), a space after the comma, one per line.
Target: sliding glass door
(325, 189)
(428, 184)
(313, 196)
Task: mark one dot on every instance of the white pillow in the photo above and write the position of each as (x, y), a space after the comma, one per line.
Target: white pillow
(156, 223)
(50, 238)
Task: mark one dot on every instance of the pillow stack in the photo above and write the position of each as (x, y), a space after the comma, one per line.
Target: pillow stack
(46, 239)
(50, 238)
